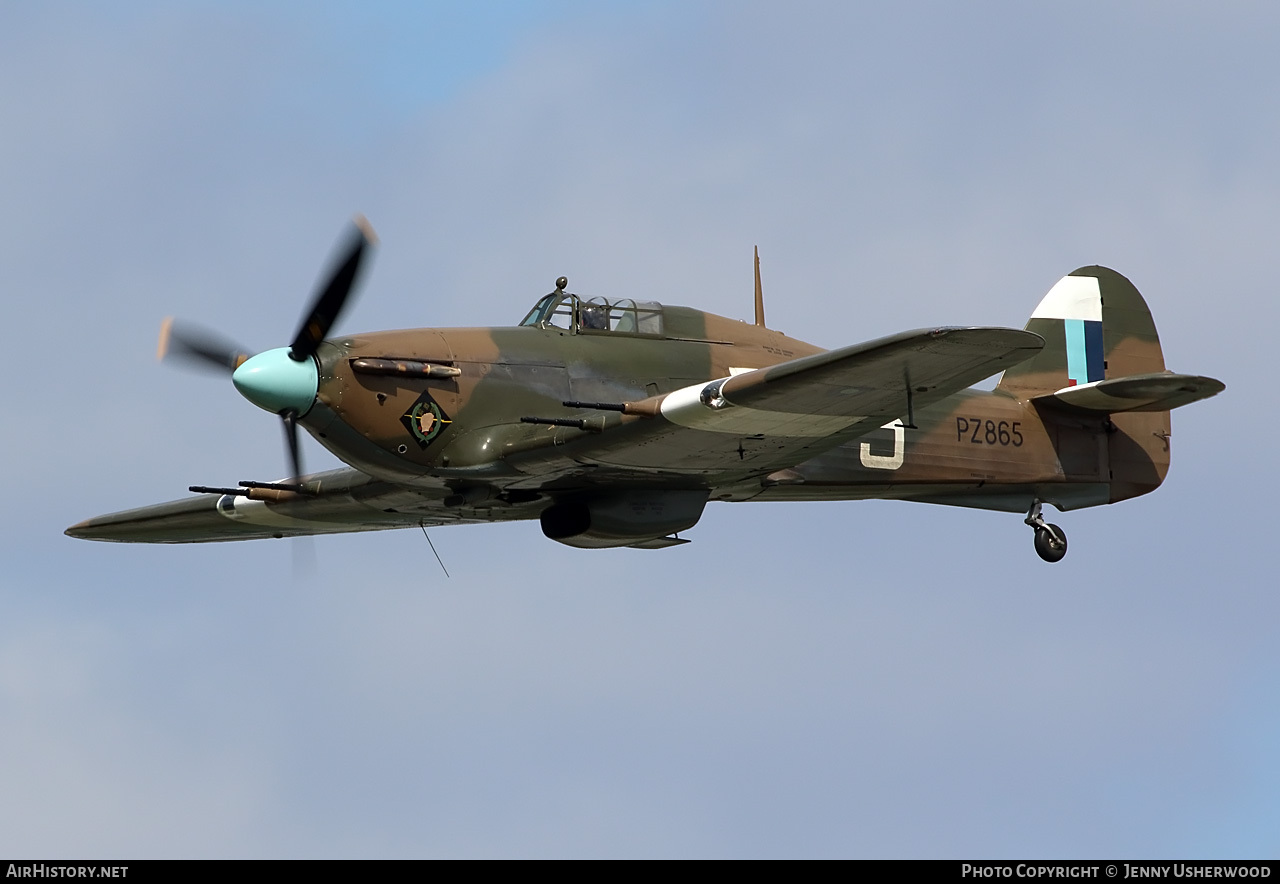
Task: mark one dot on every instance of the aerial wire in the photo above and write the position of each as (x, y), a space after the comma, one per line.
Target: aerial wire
(423, 526)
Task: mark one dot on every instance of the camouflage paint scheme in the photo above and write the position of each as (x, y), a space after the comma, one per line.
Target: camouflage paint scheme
(429, 421)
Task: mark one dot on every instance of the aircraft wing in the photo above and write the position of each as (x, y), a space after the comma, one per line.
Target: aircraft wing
(729, 428)
(337, 501)
(783, 414)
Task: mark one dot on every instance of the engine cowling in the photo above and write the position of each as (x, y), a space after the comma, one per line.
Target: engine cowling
(622, 519)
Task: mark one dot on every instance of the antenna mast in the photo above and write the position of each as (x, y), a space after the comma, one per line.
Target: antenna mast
(759, 293)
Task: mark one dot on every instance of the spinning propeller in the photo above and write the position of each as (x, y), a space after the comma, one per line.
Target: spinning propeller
(283, 380)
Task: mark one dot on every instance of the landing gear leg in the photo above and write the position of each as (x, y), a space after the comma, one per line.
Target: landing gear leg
(1051, 541)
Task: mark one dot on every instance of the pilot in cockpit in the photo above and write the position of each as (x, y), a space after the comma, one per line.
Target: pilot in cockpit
(594, 317)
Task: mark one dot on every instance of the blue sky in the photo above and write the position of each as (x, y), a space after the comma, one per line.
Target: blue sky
(872, 679)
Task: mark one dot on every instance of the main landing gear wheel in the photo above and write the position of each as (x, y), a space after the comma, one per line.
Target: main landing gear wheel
(1051, 541)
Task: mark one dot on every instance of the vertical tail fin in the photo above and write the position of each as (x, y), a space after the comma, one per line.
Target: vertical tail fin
(1096, 326)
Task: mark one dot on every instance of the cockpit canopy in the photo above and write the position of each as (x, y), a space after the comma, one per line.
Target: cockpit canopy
(623, 316)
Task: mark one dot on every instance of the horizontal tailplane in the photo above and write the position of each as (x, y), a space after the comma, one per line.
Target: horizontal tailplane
(1160, 391)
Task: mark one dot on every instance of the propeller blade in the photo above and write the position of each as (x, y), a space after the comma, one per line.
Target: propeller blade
(290, 418)
(304, 551)
(330, 300)
(199, 347)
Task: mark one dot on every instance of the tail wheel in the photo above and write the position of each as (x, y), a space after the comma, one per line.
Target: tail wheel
(1051, 543)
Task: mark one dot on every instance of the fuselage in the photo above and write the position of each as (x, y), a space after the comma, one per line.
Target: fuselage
(977, 448)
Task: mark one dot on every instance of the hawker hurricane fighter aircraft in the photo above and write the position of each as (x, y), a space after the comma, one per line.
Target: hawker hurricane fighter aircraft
(614, 422)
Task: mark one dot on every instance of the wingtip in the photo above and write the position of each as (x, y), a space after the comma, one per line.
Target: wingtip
(80, 531)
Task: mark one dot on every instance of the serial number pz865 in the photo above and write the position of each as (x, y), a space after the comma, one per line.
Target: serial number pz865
(989, 432)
